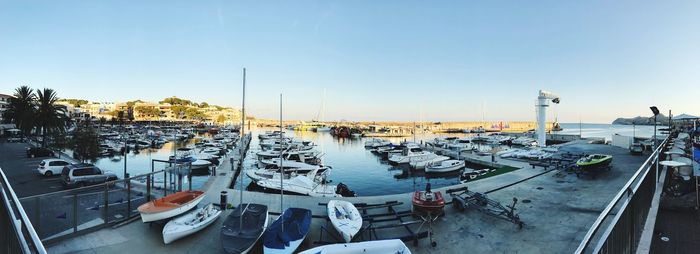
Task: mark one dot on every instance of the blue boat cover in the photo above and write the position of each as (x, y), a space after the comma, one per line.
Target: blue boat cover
(296, 226)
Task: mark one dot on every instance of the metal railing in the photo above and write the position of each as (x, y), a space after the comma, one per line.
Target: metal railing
(60, 215)
(622, 233)
(17, 235)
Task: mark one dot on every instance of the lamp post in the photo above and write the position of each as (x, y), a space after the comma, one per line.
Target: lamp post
(655, 110)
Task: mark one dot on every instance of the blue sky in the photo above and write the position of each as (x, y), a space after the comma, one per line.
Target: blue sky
(377, 60)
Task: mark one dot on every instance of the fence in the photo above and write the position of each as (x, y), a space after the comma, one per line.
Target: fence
(17, 234)
(62, 214)
(621, 233)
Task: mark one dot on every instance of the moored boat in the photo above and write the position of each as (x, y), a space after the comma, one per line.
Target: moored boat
(345, 217)
(445, 166)
(170, 205)
(190, 223)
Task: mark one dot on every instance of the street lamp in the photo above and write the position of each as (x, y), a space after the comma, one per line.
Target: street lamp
(654, 110)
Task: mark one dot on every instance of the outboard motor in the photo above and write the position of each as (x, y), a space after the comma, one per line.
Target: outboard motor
(344, 191)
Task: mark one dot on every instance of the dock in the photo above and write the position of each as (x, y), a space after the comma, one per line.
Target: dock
(557, 209)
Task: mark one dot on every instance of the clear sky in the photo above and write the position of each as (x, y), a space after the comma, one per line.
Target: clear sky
(377, 60)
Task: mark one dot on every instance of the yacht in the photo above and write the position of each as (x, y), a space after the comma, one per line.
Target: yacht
(291, 166)
(411, 153)
(301, 184)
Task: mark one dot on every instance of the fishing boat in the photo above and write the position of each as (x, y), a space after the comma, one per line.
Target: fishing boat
(428, 202)
(190, 223)
(170, 205)
(243, 227)
(287, 232)
(445, 166)
(594, 161)
(345, 217)
(422, 164)
(393, 246)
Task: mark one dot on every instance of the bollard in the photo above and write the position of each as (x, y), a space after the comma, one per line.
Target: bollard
(213, 170)
(224, 196)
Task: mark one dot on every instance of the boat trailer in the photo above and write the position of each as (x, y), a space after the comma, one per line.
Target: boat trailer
(373, 222)
(463, 198)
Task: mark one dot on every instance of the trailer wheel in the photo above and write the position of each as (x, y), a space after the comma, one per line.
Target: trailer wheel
(457, 204)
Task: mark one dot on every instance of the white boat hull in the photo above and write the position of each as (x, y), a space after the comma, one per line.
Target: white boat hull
(149, 217)
(393, 246)
(345, 217)
(177, 228)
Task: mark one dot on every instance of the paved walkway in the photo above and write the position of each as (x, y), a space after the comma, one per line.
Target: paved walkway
(557, 210)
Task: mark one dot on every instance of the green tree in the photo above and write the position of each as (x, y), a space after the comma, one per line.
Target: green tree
(85, 142)
(21, 109)
(221, 119)
(50, 117)
(120, 117)
(75, 102)
(204, 105)
(59, 142)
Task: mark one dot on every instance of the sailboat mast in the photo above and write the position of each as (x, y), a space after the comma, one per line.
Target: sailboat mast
(242, 149)
(281, 168)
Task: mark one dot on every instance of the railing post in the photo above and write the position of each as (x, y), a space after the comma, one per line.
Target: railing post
(148, 188)
(106, 208)
(37, 215)
(128, 198)
(75, 212)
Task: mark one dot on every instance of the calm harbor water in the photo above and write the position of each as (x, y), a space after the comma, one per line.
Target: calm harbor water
(364, 172)
(140, 162)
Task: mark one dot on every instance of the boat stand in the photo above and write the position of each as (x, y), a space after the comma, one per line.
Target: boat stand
(428, 218)
(463, 198)
(373, 222)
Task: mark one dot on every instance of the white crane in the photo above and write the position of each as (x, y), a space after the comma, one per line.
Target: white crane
(542, 104)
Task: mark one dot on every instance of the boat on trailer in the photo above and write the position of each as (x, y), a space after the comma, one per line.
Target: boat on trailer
(394, 246)
(428, 202)
(170, 205)
(287, 232)
(243, 227)
(345, 217)
(190, 223)
(594, 161)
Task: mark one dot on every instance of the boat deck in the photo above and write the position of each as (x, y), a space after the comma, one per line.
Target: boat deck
(556, 207)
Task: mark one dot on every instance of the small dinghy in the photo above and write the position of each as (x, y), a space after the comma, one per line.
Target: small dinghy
(394, 246)
(287, 232)
(345, 217)
(445, 166)
(190, 223)
(170, 205)
(428, 202)
(238, 235)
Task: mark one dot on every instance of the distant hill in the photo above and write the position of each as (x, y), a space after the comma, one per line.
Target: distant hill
(642, 120)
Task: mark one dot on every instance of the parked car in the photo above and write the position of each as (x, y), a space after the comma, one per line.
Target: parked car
(50, 167)
(14, 139)
(39, 152)
(79, 175)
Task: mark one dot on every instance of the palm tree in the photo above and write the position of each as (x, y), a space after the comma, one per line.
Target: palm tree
(21, 109)
(50, 117)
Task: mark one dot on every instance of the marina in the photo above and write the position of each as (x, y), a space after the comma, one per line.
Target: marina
(349, 127)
